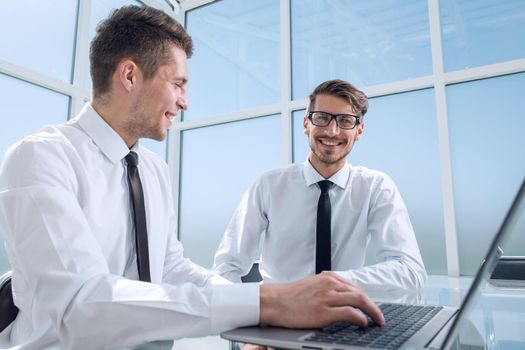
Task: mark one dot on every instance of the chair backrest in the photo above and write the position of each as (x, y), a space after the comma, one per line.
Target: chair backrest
(254, 275)
(8, 310)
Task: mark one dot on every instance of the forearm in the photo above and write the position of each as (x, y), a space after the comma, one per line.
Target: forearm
(236, 254)
(232, 275)
(394, 274)
(125, 313)
(178, 270)
(239, 247)
(400, 265)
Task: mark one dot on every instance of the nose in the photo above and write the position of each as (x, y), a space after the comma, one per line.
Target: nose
(182, 102)
(332, 128)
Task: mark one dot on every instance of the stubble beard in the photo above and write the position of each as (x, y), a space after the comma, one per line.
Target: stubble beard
(329, 159)
(139, 124)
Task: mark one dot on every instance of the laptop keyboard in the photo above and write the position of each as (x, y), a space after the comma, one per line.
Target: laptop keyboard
(402, 321)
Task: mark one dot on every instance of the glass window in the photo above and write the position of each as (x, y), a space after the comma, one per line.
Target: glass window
(365, 42)
(219, 163)
(299, 139)
(51, 108)
(477, 33)
(515, 243)
(158, 147)
(236, 60)
(486, 119)
(31, 40)
(401, 139)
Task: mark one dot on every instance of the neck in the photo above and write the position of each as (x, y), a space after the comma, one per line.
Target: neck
(111, 113)
(326, 170)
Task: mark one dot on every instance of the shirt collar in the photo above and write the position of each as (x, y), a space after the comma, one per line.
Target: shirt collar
(102, 134)
(312, 176)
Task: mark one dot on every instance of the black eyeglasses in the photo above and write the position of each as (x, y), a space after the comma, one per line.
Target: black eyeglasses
(344, 121)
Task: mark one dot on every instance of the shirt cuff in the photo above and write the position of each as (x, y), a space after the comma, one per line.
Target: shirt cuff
(345, 274)
(234, 305)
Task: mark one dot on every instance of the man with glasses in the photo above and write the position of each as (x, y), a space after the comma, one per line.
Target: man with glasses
(320, 215)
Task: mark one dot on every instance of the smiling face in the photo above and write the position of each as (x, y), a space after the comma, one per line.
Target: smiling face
(157, 100)
(330, 145)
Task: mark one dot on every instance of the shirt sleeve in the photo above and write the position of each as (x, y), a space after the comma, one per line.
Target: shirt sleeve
(239, 247)
(61, 278)
(399, 264)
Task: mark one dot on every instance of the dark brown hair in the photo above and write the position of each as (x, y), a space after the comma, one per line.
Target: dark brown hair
(140, 33)
(344, 90)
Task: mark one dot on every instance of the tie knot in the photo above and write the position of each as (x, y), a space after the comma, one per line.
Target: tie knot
(325, 185)
(132, 158)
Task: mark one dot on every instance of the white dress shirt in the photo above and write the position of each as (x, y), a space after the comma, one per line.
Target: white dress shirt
(282, 206)
(65, 214)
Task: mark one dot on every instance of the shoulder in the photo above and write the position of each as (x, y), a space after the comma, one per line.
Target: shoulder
(275, 180)
(47, 151)
(373, 178)
(287, 173)
(46, 141)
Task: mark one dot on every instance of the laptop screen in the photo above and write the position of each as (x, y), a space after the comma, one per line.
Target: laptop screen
(515, 215)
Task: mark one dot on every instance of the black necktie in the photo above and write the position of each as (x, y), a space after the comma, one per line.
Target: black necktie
(139, 217)
(323, 251)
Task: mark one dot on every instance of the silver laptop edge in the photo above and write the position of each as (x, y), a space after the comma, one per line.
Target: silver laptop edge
(275, 337)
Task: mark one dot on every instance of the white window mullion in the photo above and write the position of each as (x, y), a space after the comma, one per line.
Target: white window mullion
(191, 4)
(229, 117)
(286, 86)
(451, 239)
(81, 63)
(36, 78)
(483, 72)
(166, 6)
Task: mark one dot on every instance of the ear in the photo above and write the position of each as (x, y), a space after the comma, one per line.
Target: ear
(359, 131)
(127, 72)
(305, 125)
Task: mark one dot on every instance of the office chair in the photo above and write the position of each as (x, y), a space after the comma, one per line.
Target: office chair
(8, 310)
(253, 275)
(510, 268)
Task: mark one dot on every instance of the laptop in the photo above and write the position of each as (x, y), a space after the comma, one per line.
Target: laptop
(430, 327)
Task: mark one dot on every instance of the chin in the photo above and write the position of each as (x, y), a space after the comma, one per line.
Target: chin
(330, 161)
(331, 158)
(157, 136)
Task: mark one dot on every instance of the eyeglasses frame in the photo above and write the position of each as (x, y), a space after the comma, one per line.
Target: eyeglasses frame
(334, 117)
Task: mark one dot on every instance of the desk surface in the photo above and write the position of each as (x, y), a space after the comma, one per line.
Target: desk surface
(497, 321)
(439, 290)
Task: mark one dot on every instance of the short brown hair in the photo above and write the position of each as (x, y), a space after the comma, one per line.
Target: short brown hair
(344, 90)
(140, 33)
